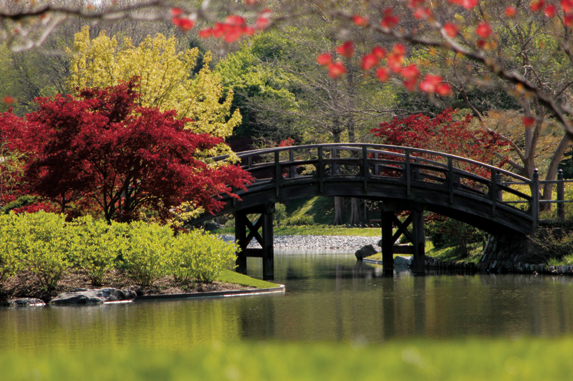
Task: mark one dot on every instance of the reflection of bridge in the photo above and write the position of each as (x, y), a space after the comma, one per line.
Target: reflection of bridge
(404, 179)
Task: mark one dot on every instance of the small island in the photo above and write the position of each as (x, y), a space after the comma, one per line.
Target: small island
(43, 256)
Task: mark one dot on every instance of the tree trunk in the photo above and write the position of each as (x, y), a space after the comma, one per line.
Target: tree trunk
(552, 171)
(350, 127)
(338, 211)
(338, 201)
(354, 211)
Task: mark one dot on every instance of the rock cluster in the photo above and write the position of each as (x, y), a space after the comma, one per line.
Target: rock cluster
(98, 296)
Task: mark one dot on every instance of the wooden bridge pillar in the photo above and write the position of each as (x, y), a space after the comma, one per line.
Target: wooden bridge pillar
(266, 252)
(417, 237)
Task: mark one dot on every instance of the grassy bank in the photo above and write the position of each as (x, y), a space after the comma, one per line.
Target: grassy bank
(448, 254)
(228, 276)
(471, 359)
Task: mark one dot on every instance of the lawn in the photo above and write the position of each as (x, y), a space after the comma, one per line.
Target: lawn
(459, 359)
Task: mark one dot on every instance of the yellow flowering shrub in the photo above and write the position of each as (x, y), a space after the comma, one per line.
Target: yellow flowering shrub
(165, 77)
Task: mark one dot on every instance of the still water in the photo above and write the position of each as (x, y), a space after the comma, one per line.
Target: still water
(329, 297)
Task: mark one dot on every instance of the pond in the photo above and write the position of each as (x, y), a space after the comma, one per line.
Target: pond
(328, 297)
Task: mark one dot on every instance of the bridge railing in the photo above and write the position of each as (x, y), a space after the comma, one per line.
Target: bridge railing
(406, 166)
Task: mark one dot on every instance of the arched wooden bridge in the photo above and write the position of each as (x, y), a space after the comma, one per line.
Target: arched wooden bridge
(402, 178)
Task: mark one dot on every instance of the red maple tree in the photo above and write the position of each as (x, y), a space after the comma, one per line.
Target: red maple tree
(445, 134)
(102, 150)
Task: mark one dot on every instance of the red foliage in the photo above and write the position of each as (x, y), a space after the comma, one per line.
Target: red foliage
(235, 26)
(346, 49)
(443, 134)
(102, 149)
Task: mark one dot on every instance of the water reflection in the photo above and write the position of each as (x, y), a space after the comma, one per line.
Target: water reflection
(329, 297)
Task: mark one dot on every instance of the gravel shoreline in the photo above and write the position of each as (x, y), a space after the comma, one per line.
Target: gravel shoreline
(303, 244)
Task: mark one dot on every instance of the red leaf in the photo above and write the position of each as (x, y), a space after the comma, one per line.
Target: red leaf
(451, 29)
(414, 4)
(383, 74)
(550, 11)
(399, 49)
(389, 20)
(430, 83)
(528, 121)
(336, 69)
(359, 20)
(204, 33)
(263, 23)
(422, 13)
(324, 59)
(184, 24)
(395, 62)
(537, 5)
(468, 4)
(369, 61)
(176, 12)
(9, 100)
(379, 52)
(346, 49)
(444, 89)
(567, 5)
(410, 72)
(510, 11)
(410, 84)
(483, 30)
(249, 31)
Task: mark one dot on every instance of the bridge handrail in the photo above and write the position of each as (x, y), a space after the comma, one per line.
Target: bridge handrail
(377, 147)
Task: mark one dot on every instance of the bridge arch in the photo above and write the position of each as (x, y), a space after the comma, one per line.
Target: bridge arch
(403, 178)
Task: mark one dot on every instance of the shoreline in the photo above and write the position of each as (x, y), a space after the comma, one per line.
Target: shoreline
(314, 244)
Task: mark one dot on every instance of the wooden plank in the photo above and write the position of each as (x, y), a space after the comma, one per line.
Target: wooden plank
(252, 253)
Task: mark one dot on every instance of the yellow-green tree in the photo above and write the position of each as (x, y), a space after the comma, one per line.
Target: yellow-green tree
(165, 75)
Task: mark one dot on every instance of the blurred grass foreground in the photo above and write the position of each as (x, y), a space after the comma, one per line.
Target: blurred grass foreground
(463, 359)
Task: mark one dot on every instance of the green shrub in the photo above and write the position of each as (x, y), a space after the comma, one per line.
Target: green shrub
(95, 246)
(200, 256)
(280, 213)
(146, 253)
(301, 220)
(19, 202)
(554, 243)
(448, 232)
(42, 245)
(9, 263)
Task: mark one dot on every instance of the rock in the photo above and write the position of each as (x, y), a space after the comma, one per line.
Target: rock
(365, 251)
(26, 302)
(98, 296)
(402, 261)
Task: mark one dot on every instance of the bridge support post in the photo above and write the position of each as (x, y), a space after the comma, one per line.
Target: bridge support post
(387, 243)
(417, 237)
(266, 252)
(418, 266)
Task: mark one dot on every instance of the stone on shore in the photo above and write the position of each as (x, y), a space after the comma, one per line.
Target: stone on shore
(402, 261)
(26, 302)
(98, 296)
(365, 251)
